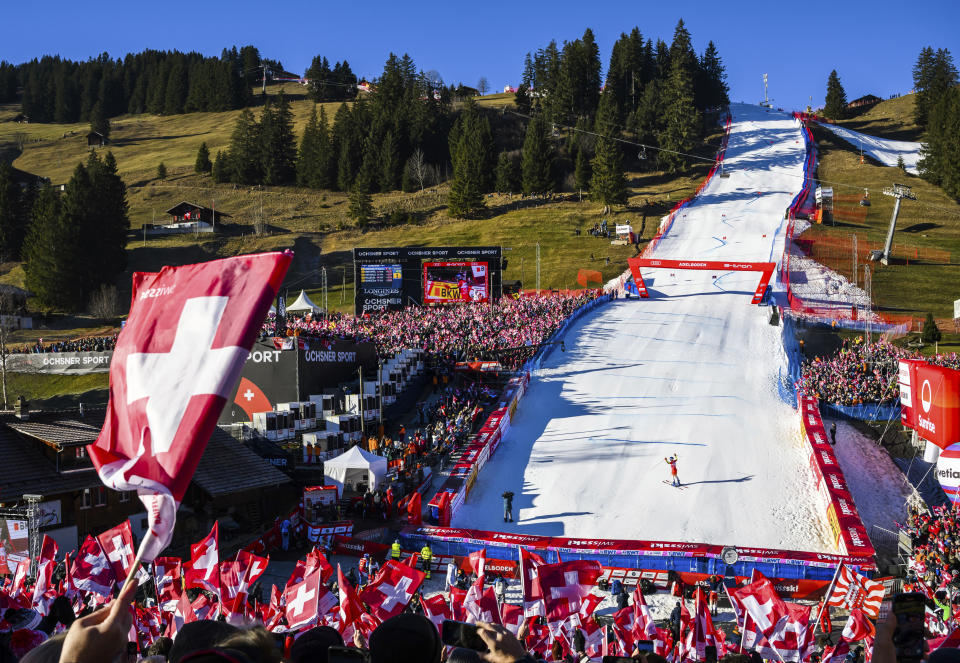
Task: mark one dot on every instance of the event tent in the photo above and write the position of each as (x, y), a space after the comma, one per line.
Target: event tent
(353, 466)
(303, 305)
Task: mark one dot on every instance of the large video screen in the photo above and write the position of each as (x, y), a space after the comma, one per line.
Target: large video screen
(446, 282)
(14, 543)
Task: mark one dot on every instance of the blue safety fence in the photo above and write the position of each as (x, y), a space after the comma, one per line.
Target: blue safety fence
(863, 412)
(624, 559)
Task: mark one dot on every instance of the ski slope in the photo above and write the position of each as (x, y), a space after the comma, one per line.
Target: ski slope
(882, 149)
(691, 371)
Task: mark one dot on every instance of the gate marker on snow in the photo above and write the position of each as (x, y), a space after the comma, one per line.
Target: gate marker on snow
(765, 269)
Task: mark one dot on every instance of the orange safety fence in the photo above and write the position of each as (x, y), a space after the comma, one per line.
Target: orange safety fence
(585, 276)
(836, 252)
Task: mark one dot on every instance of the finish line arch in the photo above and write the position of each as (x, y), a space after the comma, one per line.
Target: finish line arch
(765, 269)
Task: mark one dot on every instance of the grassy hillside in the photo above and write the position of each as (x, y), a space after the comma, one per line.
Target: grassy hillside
(315, 223)
(891, 118)
(930, 222)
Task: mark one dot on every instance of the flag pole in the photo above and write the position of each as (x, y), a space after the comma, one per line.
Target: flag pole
(132, 573)
(826, 598)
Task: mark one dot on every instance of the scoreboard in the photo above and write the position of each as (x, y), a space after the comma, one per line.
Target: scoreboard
(377, 277)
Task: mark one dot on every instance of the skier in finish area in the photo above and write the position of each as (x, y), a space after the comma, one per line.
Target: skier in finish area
(672, 461)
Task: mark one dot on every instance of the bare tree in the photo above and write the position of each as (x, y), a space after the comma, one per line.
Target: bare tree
(417, 168)
(105, 302)
(483, 86)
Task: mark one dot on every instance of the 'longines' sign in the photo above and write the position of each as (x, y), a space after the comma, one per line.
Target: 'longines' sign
(60, 363)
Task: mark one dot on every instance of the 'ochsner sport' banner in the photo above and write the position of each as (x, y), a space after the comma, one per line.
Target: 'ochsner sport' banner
(60, 363)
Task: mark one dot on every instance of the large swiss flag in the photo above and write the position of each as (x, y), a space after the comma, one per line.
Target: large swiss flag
(187, 337)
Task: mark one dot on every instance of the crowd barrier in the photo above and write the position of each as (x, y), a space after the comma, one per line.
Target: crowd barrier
(550, 344)
(835, 498)
(864, 411)
(805, 574)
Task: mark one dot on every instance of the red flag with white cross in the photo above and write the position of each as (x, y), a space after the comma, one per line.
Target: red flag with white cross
(392, 589)
(566, 585)
(306, 601)
(187, 337)
(117, 545)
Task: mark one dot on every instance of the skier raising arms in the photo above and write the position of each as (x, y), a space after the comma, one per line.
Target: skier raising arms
(672, 461)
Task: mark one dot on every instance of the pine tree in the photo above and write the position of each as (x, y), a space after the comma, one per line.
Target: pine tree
(107, 224)
(508, 174)
(98, 121)
(537, 161)
(221, 168)
(50, 262)
(835, 104)
(931, 333)
(244, 153)
(278, 144)
(390, 163)
(202, 164)
(361, 204)
(712, 90)
(681, 121)
(175, 93)
(470, 148)
(161, 172)
(521, 99)
(933, 75)
(940, 150)
(14, 214)
(581, 170)
(311, 167)
(608, 183)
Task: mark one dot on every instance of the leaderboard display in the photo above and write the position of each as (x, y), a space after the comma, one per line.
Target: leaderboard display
(389, 278)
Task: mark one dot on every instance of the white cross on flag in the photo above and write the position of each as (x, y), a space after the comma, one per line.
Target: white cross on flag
(187, 337)
(91, 569)
(117, 545)
(565, 585)
(392, 589)
(436, 610)
(762, 604)
(481, 604)
(205, 562)
(304, 601)
(168, 572)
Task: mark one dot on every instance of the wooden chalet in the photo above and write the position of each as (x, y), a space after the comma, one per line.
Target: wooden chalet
(185, 211)
(866, 100)
(96, 139)
(46, 455)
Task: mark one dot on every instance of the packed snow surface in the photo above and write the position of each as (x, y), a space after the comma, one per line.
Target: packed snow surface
(882, 149)
(691, 371)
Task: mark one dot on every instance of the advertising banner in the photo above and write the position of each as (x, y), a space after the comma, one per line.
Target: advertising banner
(948, 471)
(447, 282)
(60, 363)
(14, 543)
(379, 288)
(273, 376)
(936, 403)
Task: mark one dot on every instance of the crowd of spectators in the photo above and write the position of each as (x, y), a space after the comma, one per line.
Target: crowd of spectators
(934, 566)
(88, 344)
(862, 373)
(452, 332)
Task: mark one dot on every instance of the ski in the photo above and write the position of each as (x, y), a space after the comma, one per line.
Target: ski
(681, 487)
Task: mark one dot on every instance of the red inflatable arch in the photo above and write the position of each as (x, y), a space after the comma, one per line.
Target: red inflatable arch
(765, 269)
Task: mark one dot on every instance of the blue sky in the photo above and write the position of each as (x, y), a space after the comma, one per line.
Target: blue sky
(873, 45)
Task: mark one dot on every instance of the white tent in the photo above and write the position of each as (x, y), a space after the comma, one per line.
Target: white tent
(303, 305)
(356, 465)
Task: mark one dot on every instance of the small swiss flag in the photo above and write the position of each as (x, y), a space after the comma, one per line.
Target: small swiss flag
(251, 398)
